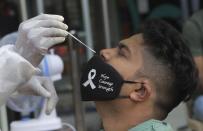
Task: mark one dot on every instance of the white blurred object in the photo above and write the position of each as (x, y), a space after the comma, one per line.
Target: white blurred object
(51, 66)
(9, 39)
(42, 123)
(23, 104)
(3, 118)
(37, 85)
(198, 108)
(143, 6)
(178, 118)
(15, 71)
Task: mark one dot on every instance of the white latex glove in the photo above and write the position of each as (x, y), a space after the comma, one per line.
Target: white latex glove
(42, 86)
(14, 72)
(37, 35)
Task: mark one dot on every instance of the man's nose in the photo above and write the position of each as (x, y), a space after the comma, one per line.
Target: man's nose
(107, 54)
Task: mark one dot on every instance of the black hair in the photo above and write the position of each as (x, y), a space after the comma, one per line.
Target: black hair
(167, 46)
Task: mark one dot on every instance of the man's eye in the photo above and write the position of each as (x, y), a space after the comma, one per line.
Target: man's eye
(120, 52)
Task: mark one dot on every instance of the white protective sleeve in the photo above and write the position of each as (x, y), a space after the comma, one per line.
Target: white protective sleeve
(14, 71)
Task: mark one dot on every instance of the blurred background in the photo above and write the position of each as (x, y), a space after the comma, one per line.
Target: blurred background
(100, 24)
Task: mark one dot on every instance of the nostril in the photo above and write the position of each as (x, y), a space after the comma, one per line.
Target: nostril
(106, 54)
(102, 57)
(101, 51)
(102, 54)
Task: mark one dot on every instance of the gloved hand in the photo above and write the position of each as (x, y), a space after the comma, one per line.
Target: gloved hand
(37, 35)
(14, 72)
(42, 86)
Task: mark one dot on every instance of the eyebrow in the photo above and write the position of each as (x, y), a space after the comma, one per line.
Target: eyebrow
(122, 45)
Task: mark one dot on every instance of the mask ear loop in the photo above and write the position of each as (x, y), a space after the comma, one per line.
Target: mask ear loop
(129, 82)
(123, 97)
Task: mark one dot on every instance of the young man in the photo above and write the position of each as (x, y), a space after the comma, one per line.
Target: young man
(137, 84)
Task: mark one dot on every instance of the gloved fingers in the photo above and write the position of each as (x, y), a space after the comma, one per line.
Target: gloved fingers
(47, 17)
(29, 24)
(35, 34)
(52, 101)
(51, 104)
(46, 32)
(34, 87)
(40, 90)
(38, 24)
(51, 23)
(48, 84)
(37, 71)
(54, 32)
(51, 41)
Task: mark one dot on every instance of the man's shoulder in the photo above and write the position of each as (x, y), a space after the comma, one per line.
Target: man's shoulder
(152, 125)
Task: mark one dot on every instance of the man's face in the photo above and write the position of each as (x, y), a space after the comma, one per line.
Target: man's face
(126, 58)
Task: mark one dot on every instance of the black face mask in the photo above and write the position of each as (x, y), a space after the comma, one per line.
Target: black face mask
(100, 81)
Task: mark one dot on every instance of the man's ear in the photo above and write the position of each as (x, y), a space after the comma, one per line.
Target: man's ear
(141, 93)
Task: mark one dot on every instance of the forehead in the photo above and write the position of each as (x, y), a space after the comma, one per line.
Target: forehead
(134, 43)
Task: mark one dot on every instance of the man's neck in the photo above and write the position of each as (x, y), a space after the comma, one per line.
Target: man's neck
(113, 124)
(121, 119)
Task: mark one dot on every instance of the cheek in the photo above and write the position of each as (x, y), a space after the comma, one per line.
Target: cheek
(124, 68)
(126, 89)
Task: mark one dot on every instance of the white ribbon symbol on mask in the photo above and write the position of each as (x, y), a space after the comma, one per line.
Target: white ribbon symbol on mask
(90, 77)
